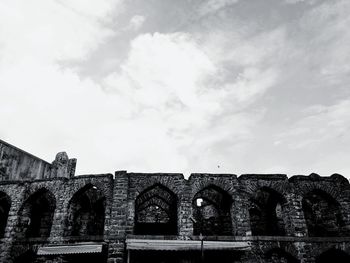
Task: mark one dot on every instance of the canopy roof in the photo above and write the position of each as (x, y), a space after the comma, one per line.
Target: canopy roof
(183, 245)
(70, 249)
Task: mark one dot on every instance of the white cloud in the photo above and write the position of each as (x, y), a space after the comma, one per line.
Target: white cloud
(161, 69)
(227, 95)
(300, 1)
(176, 86)
(49, 30)
(136, 22)
(101, 10)
(45, 104)
(212, 6)
(321, 124)
(318, 141)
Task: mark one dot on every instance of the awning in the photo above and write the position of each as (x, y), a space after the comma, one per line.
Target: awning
(183, 245)
(70, 249)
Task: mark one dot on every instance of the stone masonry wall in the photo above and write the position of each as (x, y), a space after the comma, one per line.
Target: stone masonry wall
(16, 164)
(122, 190)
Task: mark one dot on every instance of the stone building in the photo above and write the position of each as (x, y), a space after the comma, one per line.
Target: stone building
(49, 215)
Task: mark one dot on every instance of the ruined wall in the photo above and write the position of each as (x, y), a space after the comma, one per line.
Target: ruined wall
(297, 219)
(121, 194)
(16, 164)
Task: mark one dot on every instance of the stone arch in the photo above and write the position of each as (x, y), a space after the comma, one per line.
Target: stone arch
(86, 213)
(221, 183)
(212, 211)
(278, 255)
(166, 181)
(267, 213)
(303, 188)
(322, 214)
(36, 214)
(281, 187)
(333, 255)
(27, 257)
(5, 204)
(156, 211)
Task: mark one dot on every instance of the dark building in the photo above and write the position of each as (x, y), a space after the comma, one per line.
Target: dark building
(49, 215)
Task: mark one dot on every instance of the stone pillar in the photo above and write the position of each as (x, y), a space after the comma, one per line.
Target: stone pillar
(117, 227)
(59, 218)
(184, 214)
(342, 184)
(240, 215)
(345, 212)
(12, 229)
(296, 215)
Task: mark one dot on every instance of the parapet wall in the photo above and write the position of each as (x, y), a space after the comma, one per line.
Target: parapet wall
(281, 219)
(16, 164)
(129, 209)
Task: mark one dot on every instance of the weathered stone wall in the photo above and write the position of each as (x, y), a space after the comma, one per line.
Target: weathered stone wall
(14, 243)
(122, 192)
(16, 164)
(277, 215)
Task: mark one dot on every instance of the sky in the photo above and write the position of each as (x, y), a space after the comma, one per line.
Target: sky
(217, 86)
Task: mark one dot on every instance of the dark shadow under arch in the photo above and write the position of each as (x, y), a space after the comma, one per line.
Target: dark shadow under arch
(86, 213)
(333, 255)
(266, 211)
(322, 214)
(36, 214)
(156, 211)
(212, 212)
(5, 204)
(27, 257)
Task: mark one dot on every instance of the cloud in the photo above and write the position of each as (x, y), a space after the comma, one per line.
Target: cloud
(177, 85)
(52, 30)
(43, 99)
(248, 93)
(320, 125)
(300, 1)
(162, 69)
(212, 6)
(136, 22)
(320, 138)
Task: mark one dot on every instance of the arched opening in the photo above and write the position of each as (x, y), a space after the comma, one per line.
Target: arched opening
(37, 213)
(212, 216)
(267, 213)
(277, 255)
(86, 213)
(156, 212)
(322, 214)
(5, 204)
(333, 255)
(27, 257)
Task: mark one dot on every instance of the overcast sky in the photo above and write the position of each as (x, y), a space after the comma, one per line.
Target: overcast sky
(220, 86)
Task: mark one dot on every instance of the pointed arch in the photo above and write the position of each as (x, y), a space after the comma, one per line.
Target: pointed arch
(322, 214)
(5, 204)
(333, 255)
(36, 214)
(156, 211)
(266, 211)
(86, 213)
(212, 211)
(26, 257)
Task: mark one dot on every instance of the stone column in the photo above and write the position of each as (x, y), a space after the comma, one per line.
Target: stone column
(296, 215)
(184, 214)
(60, 215)
(240, 215)
(12, 229)
(118, 220)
